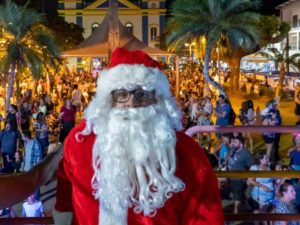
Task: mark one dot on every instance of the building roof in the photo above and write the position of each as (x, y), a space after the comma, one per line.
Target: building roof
(285, 4)
(98, 43)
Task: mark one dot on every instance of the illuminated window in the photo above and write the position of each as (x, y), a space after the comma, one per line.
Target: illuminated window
(153, 34)
(94, 27)
(129, 27)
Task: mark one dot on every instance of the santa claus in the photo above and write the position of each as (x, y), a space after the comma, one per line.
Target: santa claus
(127, 162)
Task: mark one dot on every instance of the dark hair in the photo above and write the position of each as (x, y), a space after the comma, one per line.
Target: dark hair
(222, 96)
(240, 138)
(14, 107)
(20, 154)
(75, 86)
(259, 156)
(39, 116)
(27, 134)
(250, 104)
(283, 188)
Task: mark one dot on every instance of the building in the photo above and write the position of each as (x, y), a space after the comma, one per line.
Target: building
(290, 13)
(145, 19)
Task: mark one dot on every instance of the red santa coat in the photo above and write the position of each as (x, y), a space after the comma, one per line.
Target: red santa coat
(198, 204)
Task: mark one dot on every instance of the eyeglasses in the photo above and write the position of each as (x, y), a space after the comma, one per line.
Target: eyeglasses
(122, 95)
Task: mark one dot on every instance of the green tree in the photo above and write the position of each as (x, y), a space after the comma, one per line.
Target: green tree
(271, 30)
(281, 60)
(233, 19)
(25, 42)
(67, 35)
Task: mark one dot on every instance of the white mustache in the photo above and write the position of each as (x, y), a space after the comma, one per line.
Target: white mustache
(142, 113)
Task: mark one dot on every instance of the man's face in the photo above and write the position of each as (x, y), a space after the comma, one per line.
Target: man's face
(122, 98)
(236, 144)
(220, 100)
(7, 126)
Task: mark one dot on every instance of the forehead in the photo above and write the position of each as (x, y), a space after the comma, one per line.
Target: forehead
(129, 87)
(290, 188)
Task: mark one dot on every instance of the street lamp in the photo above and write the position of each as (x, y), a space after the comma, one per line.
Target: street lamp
(190, 52)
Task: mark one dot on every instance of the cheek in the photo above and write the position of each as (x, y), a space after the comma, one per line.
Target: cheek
(118, 105)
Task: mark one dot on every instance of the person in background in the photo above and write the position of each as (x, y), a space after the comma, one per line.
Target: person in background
(33, 207)
(224, 150)
(76, 98)
(287, 196)
(222, 111)
(239, 158)
(10, 141)
(42, 107)
(49, 104)
(18, 162)
(66, 119)
(33, 151)
(11, 116)
(263, 191)
(294, 154)
(41, 131)
(25, 112)
(269, 137)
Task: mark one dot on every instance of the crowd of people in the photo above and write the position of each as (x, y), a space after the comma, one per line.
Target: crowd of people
(31, 123)
(34, 120)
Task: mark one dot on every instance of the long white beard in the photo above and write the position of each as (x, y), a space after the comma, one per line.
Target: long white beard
(134, 163)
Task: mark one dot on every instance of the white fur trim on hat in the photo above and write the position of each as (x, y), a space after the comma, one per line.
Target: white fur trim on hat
(127, 76)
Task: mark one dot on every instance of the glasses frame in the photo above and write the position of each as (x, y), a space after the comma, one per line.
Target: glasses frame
(133, 92)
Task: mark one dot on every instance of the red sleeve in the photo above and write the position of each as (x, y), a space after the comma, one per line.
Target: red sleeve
(202, 203)
(64, 186)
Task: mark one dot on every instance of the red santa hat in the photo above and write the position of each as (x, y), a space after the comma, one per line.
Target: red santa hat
(128, 69)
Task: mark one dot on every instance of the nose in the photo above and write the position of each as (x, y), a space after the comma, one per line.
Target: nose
(131, 103)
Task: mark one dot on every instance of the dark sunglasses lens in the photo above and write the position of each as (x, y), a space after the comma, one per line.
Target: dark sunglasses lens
(142, 95)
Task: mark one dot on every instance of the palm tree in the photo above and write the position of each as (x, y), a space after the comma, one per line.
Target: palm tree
(25, 42)
(281, 60)
(233, 19)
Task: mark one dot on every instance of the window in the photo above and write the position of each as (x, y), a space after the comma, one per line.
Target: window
(153, 34)
(295, 21)
(129, 27)
(153, 6)
(94, 27)
(293, 41)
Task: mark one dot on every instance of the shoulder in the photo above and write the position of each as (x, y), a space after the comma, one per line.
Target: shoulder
(77, 144)
(253, 168)
(190, 155)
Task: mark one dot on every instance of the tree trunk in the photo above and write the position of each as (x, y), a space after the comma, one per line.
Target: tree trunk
(281, 79)
(18, 91)
(235, 62)
(48, 82)
(10, 85)
(206, 70)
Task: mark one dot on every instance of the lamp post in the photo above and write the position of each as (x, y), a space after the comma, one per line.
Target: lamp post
(190, 52)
